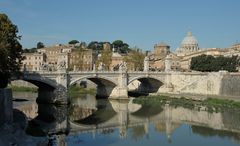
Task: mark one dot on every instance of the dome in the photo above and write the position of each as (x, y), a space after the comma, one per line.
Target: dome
(189, 40)
(188, 45)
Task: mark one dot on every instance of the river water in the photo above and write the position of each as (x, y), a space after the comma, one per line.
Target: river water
(92, 122)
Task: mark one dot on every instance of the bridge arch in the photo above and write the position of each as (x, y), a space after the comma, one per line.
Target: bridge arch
(105, 85)
(47, 88)
(91, 77)
(41, 82)
(148, 84)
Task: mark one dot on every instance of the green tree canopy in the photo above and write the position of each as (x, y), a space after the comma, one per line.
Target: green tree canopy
(10, 48)
(208, 63)
(73, 42)
(95, 45)
(40, 45)
(121, 46)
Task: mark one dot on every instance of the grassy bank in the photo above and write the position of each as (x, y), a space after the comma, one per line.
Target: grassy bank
(75, 91)
(22, 89)
(210, 104)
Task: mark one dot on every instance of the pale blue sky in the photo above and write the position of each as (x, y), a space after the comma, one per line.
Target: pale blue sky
(141, 23)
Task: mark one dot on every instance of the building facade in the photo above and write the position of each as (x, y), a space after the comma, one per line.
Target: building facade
(82, 59)
(33, 61)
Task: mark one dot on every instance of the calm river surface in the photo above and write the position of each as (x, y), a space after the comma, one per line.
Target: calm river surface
(91, 122)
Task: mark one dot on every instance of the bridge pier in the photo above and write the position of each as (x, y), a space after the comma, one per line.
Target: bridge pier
(54, 96)
(167, 86)
(57, 94)
(121, 91)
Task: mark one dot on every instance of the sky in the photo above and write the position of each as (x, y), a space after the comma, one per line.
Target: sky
(140, 23)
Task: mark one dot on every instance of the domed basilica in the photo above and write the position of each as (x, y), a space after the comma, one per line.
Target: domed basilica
(181, 59)
(189, 44)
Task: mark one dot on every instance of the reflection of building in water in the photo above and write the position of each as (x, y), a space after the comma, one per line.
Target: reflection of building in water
(167, 126)
(78, 113)
(30, 110)
(165, 118)
(82, 107)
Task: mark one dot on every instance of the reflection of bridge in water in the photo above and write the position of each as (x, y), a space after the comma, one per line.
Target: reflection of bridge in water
(102, 117)
(132, 115)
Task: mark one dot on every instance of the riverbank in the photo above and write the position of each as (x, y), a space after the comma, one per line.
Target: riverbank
(209, 104)
(75, 91)
(22, 89)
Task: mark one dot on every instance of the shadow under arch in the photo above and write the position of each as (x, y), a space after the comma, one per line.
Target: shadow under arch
(46, 87)
(147, 85)
(105, 86)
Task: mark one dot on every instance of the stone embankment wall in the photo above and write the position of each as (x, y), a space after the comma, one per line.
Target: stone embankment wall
(207, 84)
(230, 85)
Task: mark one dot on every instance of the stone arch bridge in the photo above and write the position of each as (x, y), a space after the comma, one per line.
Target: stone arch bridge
(115, 84)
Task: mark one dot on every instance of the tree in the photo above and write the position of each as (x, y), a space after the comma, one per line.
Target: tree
(10, 50)
(73, 42)
(121, 46)
(83, 45)
(106, 58)
(32, 50)
(94, 45)
(40, 45)
(208, 63)
(135, 59)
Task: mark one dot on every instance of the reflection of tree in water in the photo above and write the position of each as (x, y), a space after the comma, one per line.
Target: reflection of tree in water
(231, 119)
(137, 132)
(209, 132)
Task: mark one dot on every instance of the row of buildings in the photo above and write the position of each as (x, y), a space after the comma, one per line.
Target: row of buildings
(76, 58)
(70, 56)
(181, 59)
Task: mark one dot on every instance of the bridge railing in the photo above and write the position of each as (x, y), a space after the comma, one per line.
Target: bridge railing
(129, 72)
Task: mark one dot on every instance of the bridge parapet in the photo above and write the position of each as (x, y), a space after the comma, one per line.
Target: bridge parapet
(115, 83)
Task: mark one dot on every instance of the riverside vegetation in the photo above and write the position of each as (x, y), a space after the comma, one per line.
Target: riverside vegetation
(22, 88)
(209, 104)
(75, 91)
